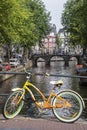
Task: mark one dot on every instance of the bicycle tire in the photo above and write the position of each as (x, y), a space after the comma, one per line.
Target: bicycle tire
(70, 114)
(11, 109)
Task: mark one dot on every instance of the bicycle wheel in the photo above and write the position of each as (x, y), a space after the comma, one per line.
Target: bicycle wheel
(11, 106)
(65, 113)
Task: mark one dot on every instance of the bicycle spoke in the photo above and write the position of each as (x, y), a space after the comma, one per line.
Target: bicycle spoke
(12, 107)
(67, 113)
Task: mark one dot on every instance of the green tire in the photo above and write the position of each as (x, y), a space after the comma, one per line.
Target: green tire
(11, 108)
(68, 114)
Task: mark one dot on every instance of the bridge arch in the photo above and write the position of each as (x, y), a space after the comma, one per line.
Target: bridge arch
(74, 59)
(40, 60)
(56, 59)
(47, 58)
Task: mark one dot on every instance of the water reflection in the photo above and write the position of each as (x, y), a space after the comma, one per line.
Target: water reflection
(43, 82)
(57, 68)
(15, 81)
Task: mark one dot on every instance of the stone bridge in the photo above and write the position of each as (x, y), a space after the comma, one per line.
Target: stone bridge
(47, 58)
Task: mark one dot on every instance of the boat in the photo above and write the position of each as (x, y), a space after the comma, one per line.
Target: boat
(82, 72)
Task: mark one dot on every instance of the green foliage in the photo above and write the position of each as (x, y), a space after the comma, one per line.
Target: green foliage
(74, 19)
(58, 41)
(23, 21)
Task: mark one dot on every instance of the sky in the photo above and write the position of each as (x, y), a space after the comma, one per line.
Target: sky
(55, 7)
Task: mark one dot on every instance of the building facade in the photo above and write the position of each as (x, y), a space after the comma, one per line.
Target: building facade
(49, 42)
(65, 46)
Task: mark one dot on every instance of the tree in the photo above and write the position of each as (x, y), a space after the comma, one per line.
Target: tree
(41, 18)
(23, 22)
(74, 19)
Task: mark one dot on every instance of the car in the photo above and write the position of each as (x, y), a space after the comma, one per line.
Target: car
(6, 66)
(14, 62)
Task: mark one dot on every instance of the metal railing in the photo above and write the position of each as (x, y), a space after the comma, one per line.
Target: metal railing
(3, 96)
(42, 74)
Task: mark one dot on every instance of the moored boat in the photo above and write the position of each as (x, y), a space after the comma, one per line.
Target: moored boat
(82, 72)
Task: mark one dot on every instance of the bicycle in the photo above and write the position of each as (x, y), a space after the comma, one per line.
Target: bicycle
(67, 105)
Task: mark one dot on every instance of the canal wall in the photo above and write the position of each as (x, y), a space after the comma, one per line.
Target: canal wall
(20, 68)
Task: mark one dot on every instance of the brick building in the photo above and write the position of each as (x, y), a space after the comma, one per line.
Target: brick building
(49, 42)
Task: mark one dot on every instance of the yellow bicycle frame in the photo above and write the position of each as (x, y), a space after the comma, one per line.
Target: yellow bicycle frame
(46, 101)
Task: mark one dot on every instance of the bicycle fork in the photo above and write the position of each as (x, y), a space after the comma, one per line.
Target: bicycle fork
(18, 98)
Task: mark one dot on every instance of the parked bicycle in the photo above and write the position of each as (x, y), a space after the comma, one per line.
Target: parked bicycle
(67, 105)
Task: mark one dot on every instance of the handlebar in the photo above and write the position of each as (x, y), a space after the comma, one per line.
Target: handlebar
(29, 73)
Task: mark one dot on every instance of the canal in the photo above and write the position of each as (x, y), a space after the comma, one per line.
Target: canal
(43, 82)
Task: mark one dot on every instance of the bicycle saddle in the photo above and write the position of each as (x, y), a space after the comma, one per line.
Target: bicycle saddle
(59, 82)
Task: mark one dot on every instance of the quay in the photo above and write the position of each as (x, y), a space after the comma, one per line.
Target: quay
(17, 69)
(26, 123)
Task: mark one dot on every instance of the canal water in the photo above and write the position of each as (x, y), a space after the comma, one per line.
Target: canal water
(43, 82)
